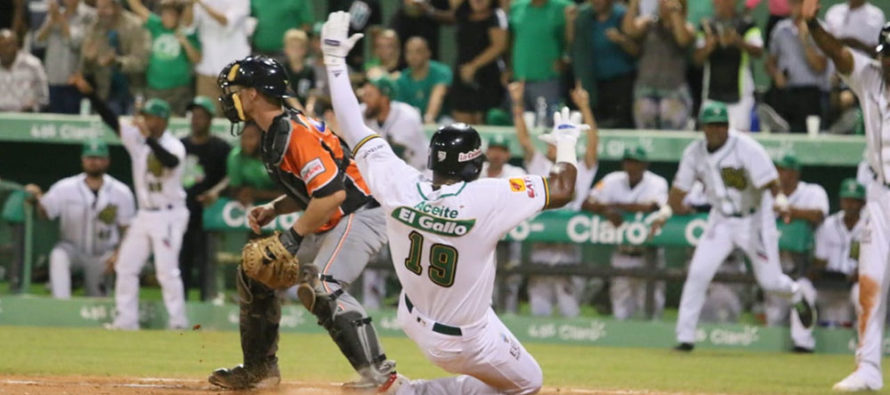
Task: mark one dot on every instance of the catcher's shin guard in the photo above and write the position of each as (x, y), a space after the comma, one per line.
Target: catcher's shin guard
(259, 319)
(355, 336)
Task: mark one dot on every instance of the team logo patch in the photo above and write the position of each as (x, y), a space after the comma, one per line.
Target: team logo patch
(441, 155)
(466, 156)
(734, 177)
(517, 185)
(530, 187)
(108, 214)
(154, 166)
(311, 170)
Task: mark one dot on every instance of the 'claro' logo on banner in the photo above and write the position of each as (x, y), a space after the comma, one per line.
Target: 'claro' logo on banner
(234, 215)
(585, 228)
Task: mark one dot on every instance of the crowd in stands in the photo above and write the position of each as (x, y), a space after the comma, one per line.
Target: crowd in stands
(635, 64)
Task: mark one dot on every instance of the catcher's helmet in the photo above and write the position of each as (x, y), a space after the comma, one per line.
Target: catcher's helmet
(456, 152)
(883, 47)
(262, 73)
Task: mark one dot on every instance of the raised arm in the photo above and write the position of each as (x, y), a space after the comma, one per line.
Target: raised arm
(582, 100)
(815, 59)
(139, 9)
(216, 15)
(564, 173)
(632, 24)
(517, 90)
(336, 46)
(193, 54)
(107, 114)
(830, 46)
(437, 97)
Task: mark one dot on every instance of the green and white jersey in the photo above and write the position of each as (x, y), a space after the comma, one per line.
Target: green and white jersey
(837, 245)
(443, 240)
(89, 221)
(156, 186)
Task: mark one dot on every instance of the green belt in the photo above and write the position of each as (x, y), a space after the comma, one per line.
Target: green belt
(437, 327)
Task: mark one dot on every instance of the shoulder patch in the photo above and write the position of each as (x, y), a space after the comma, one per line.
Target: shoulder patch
(311, 170)
(517, 185)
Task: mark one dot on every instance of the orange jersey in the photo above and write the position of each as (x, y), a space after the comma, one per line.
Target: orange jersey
(308, 161)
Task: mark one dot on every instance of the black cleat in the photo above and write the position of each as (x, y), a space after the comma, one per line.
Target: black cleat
(685, 347)
(241, 378)
(805, 312)
(801, 350)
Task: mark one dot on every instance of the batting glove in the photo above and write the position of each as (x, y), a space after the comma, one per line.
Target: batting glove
(335, 42)
(564, 136)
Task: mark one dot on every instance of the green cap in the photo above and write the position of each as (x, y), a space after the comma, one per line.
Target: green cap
(94, 148)
(203, 102)
(498, 140)
(498, 117)
(637, 153)
(789, 161)
(850, 188)
(156, 107)
(713, 112)
(386, 85)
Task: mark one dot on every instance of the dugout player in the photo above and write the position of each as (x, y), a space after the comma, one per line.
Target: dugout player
(739, 178)
(340, 228)
(94, 210)
(443, 235)
(157, 160)
(869, 79)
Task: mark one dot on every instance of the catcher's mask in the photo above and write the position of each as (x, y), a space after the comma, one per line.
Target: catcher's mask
(264, 74)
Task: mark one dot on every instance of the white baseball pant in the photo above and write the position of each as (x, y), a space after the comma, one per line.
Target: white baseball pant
(159, 233)
(65, 256)
(874, 260)
(488, 358)
(759, 242)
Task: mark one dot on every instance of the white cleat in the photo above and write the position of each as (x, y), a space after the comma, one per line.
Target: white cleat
(856, 382)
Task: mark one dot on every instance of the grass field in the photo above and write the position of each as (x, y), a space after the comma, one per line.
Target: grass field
(43, 356)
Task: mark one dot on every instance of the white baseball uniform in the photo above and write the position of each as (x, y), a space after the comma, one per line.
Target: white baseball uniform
(563, 291)
(734, 176)
(629, 294)
(89, 227)
(507, 290)
(867, 83)
(403, 129)
(157, 230)
(443, 248)
(806, 196)
(837, 245)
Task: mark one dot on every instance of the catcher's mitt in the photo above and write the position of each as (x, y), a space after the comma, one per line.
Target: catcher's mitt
(268, 261)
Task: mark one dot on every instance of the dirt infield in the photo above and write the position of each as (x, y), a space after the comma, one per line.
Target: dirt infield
(76, 385)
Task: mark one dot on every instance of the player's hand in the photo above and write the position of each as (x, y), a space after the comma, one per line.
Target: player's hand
(110, 262)
(517, 92)
(139, 123)
(809, 9)
(80, 83)
(467, 72)
(614, 216)
(260, 216)
(655, 227)
(580, 97)
(335, 42)
(35, 192)
(564, 130)
(782, 207)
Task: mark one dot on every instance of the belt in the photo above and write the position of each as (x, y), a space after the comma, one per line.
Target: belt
(437, 327)
(167, 207)
(743, 214)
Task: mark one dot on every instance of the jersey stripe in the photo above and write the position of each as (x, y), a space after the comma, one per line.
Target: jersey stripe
(362, 142)
(546, 192)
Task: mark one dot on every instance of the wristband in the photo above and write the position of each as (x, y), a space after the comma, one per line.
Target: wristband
(291, 240)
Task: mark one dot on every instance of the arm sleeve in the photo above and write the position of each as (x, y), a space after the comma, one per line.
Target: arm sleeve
(821, 242)
(107, 114)
(383, 171)
(820, 199)
(517, 199)
(660, 193)
(858, 77)
(52, 201)
(685, 176)
(346, 108)
(168, 159)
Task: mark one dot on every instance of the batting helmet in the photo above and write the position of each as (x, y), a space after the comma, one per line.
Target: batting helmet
(259, 72)
(456, 152)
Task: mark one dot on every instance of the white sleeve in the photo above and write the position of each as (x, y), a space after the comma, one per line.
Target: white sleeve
(659, 191)
(346, 108)
(515, 200)
(760, 165)
(820, 199)
(821, 241)
(53, 200)
(130, 136)
(859, 77)
(383, 171)
(126, 204)
(686, 176)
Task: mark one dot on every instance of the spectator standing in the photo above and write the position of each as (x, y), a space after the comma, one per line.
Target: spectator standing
(778, 10)
(274, 17)
(605, 56)
(481, 42)
(62, 33)
(222, 30)
(22, 78)
(416, 19)
(386, 56)
(856, 23)
(725, 47)
(835, 260)
(173, 52)
(248, 181)
(205, 167)
(114, 55)
(563, 291)
(300, 75)
(94, 210)
(661, 95)
(632, 190)
(539, 37)
(399, 123)
(12, 15)
(799, 70)
(425, 82)
(365, 16)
